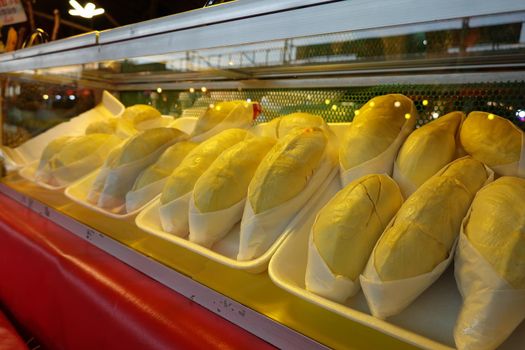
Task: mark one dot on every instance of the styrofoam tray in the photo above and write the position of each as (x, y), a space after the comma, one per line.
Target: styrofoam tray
(78, 193)
(30, 151)
(28, 173)
(427, 323)
(225, 250)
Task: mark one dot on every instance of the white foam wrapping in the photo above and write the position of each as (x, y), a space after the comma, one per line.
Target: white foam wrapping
(174, 215)
(389, 298)
(208, 228)
(491, 308)
(259, 231)
(234, 119)
(382, 163)
(138, 198)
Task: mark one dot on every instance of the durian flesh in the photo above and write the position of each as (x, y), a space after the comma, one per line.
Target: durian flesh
(283, 125)
(496, 228)
(169, 160)
(143, 144)
(140, 113)
(429, 148)
(184, 177)
(52, 149)
(102, 127)
(348, 226)
(491, 139)
(216, 114)
(428, 223)
(286, 169)
(226, 181)
(373, 130)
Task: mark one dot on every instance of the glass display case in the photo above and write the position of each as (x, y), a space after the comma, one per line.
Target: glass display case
(326, 58)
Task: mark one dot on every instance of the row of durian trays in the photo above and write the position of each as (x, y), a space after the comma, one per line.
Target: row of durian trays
(372, 205)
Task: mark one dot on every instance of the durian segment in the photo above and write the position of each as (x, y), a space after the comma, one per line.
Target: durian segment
(286, 169)
(143, 144)
(81, 147)
(496, 228)
(428, 223)
(283, 125)
(373, 130)
(242, 110)
(349, 225)
(430, 148)
(168, 161)
(226, 181)
(140, 113)
(102, 127)
(491, 139)
(52, 149)
(184, 177)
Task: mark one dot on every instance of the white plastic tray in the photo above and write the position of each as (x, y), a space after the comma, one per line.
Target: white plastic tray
(427, 323)
(225, 250)
(28, 173)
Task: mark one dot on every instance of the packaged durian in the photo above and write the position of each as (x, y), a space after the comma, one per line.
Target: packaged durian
(223, 116)
(143, 117)
(427, 150)
(178, 189)
(373, 139)
(495, 141)
(490, 266)
(151, 180)
(220, 193)
(281, 126)
(344, 233)
(122, 128)
(67, 159)
(284, 181)
(118, 175)
(418, 244)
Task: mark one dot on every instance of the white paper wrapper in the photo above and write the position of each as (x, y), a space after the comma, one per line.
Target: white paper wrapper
(161, 122)
(258, 232)
(64, 176)
(233, 120)
(174, 215)
(139, 198)
(320, 280)
(382, 164)
(491, 308)
(516, 168)
(111, 185)
(390, 298)
(208, 228)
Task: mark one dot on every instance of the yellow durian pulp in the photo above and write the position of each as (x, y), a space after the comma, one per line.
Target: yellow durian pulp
(102, 127)
(286, 169)
(349, 225)
(143, 144)
(167, 162)
(428, 223)
(140, 113)
(81, 147)
(184, 177)
(429, 148)
(373, 130)
(496, 228)
(287, 123)
(491, 139)
(216, 114)
(226, 181)
(53, 148)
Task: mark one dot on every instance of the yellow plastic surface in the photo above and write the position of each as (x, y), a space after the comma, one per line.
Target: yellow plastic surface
(255, 291)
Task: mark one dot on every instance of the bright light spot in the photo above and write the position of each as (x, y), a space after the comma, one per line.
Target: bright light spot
(425, 42)
(58, 97)
(204, 89)
(435, 115)
(372, 104)
(218, 108)
(230, 63)
(521, 114)
(212, 105)
(309, 97)
(407, 115)
(159, 90)
(88, 11)
(72, 97)
(425, 102)
(490, 116)
(397, 104)
(327, 101)
(248, 100)
(45, 96)
(334, 107)
(357, 112)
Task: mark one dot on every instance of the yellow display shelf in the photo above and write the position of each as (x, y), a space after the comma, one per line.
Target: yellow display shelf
(255, 291)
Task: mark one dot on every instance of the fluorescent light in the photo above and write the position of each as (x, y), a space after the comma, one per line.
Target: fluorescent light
(88, 11)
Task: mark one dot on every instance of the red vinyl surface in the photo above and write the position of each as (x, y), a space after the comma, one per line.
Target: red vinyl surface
(71, 295)
(9, 339)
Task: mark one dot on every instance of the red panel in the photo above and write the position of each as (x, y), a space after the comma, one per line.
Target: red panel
(72, 295)
(9, 339)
